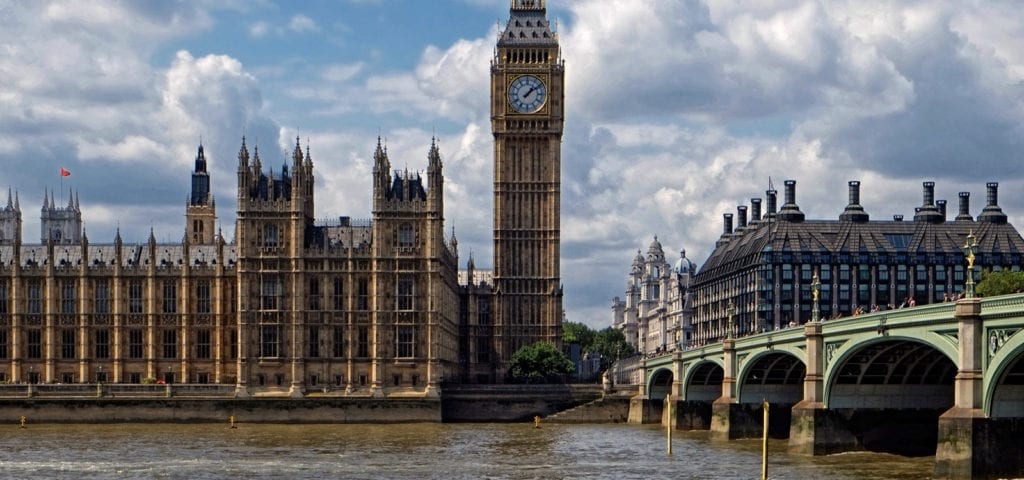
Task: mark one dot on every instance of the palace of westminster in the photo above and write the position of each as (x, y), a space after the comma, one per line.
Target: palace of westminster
(380, 307)
(363, 308)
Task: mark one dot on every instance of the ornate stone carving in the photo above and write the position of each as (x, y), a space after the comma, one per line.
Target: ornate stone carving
(997, 338)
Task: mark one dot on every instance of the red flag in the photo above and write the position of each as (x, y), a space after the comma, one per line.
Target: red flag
(64, 172)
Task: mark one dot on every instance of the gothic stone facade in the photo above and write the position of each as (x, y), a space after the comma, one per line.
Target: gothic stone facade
(366, 308)
(527, 115)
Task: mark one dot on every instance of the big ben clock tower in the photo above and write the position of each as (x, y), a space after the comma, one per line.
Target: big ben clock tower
(527, 111)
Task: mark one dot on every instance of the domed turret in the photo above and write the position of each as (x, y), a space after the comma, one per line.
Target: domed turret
(655, 252)
(684, 266)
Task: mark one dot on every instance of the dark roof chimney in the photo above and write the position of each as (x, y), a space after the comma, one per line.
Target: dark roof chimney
(992, 213)
(770, 196)
(941, 205)
(928, 212)
(965, 208)
(741, 216)
(854, 211)
(790, 211)
(727, 224)
(755, 210)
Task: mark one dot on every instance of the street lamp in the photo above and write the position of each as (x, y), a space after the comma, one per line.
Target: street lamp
(815, 291)
(970, 248)
(730, 310)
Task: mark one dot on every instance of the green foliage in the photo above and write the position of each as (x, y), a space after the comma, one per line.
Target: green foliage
(573, 332)
(539, 363)
(1000, 283)
(610, 343)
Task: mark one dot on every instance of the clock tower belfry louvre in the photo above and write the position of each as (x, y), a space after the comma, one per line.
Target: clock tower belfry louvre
(527, 85)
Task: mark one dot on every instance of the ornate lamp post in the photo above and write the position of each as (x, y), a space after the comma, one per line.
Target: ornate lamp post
(970, 248)
(730, 310)
(815, 291)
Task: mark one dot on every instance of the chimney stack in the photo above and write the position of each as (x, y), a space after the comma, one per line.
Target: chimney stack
(741, 216)
(755, 210)
(992, 213)
(928, 212)
(854, 212)
(941, 205)
(770, 196)
(965, 208)
(727, 224)
(790, 210)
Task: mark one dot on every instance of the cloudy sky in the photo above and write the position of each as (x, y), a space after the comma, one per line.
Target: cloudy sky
(677, 110)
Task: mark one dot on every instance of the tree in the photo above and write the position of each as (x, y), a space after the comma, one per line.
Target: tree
(610, 343)
(539, 363)
(1000, 283)
(573, 332)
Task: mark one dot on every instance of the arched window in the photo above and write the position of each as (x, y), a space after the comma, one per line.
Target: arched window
(406, 236)
(270, 235)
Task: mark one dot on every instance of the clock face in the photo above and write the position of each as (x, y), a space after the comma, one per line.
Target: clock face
(527, 94)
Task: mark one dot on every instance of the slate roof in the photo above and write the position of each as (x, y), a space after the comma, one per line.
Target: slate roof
(527, 27)
(998, 243)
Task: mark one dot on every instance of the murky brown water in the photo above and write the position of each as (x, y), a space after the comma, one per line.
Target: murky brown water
(412, 451)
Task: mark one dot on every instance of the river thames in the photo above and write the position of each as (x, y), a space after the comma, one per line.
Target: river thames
(413, 451)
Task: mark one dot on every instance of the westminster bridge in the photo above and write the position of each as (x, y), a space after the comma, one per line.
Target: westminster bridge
(944, 379)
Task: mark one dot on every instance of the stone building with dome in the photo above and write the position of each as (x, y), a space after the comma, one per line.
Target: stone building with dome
(655, 313)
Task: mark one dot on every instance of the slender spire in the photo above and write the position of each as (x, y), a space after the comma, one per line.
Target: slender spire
(380, 159)
(17, 202)
(10, 199)
(46, 199)
(257, 167)
(243, 154)
(297, 156)
(200, 159)
(434, 156)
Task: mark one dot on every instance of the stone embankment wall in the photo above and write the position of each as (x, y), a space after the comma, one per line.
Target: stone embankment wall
(498, 403)
(512, 403)
(277, 410)
(609, 409)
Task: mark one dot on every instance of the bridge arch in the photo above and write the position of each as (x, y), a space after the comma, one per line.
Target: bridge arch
(775, 375)
(890, 392)
(892, 372)
(660, 384)
(702, 381)
(1004, 379)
